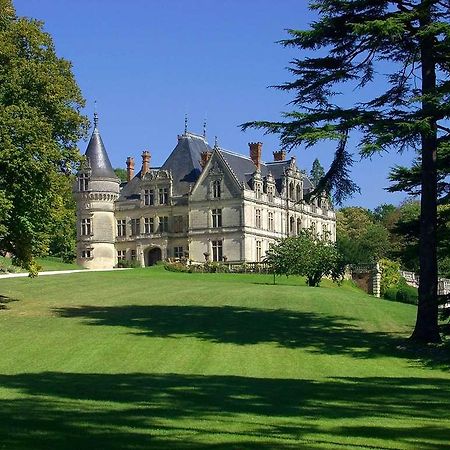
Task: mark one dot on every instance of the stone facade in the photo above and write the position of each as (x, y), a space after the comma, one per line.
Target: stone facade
(203, 204)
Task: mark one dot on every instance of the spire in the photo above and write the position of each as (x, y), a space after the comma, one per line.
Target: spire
(95, 115)
(96, 153)
(216, 144)
(204, 129)
(185, 124)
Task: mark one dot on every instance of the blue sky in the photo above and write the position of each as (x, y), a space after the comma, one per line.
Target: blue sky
(149, 62)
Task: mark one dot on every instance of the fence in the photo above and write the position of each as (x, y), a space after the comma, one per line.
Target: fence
(413, 280)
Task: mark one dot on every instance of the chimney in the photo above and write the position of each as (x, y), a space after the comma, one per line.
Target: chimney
(205, 158)
(145, 162)
(280, 155)
(255, 153)
(130, 168)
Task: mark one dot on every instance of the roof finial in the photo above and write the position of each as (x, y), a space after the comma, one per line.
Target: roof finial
(95, 114)
(204, 129)
(216, 144)
(185, 123)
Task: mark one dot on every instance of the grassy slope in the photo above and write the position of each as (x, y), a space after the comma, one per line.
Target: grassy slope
(150, 359)
(48, 263)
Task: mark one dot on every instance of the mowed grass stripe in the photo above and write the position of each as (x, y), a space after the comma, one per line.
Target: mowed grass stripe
(151, 359)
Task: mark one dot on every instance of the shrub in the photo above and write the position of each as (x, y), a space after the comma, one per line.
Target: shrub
(391, 294)
(176, 267)
(402, 292)
(406, 293)
(128, 263)
(215, 267)
(390, 274)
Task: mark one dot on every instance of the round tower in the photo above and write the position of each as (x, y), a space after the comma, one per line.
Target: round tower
(96, 189)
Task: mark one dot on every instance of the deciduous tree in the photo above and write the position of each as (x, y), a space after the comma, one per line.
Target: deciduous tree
(306, 254)
(40, 124)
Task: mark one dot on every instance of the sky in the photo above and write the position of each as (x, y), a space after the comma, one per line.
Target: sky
(149, 63)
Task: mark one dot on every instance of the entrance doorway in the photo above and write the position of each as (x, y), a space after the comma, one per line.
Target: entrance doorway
(153, 256)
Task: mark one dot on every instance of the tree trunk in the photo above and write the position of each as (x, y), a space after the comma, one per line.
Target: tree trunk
(426, 329)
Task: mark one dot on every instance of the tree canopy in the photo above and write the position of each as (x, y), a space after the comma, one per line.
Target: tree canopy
(40, 124)
(308, 255)
(353, 48)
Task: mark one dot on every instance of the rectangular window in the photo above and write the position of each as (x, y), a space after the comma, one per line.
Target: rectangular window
(135, 227)
(149, 225)
(216, 218)
(270, 194)
(216, 189)
(217, 247)
(121, 254)
(270, 221)
(133, 254)
(163, 224)
(86, 227)
(178, 252)
(149, 197)
(258, 218)
(178, 224)
(121, 227)
(85, 253)
(83, 182)
(163, 196)
(258, 251)
(258, 191)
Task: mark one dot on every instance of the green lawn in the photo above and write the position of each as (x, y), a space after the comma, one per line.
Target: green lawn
(148, 359)
(48, 263)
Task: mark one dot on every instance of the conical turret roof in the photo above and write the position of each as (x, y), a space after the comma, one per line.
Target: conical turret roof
(98, 157)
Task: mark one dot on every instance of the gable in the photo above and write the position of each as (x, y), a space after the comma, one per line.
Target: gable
(216, 170)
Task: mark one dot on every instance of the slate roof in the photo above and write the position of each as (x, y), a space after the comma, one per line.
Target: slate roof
(184, 162)
(98, 157)
(184, 165)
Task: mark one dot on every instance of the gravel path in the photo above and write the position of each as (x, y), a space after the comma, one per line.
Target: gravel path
(58, 272)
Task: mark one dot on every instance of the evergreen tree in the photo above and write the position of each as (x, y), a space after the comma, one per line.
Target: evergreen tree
(40, 124)
(317, 172)
(356, 46)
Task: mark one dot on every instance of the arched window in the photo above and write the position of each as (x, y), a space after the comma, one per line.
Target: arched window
(298, 193)
(299, 225)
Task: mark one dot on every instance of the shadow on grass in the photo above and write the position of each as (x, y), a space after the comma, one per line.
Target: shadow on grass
(246, 326)
(5, 300)
(170, 411)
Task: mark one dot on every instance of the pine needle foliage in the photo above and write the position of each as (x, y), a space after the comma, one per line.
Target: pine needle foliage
(377, 70)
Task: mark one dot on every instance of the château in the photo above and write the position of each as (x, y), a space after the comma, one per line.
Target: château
(203, 203)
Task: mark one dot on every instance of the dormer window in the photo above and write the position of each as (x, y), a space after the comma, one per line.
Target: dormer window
(298, 192)
(163, 196)
(258, 191)
(149, 197)
(291, 191)
(270, 194)
(216, 189)
(83, 182)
